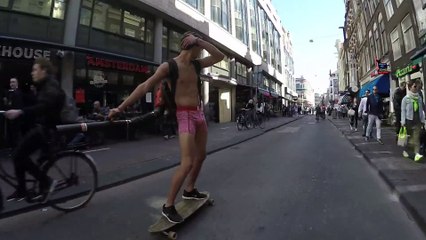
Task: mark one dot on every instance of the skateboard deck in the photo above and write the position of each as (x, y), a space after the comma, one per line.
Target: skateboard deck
(185, 208)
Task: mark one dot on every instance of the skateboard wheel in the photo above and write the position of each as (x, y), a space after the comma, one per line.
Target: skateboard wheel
(210, 202)
(172, 235)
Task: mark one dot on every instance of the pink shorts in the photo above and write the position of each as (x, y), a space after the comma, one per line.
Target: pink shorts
(191, 120)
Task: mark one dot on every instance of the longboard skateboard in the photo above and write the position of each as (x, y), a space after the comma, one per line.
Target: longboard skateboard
(185, 208)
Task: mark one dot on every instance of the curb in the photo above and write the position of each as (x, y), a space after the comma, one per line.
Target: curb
(166, 163)
(410, 209)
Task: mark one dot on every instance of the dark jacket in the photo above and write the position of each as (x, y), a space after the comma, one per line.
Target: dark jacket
(50, 100)
(15, 99)
(375, 107)
(398, 95)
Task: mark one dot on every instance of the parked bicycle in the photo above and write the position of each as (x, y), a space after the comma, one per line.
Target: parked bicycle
(243, 120)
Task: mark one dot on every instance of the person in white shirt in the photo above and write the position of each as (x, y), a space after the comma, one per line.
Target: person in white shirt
(362, 111)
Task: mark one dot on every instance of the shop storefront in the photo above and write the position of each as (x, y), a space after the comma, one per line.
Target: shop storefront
(109, 81)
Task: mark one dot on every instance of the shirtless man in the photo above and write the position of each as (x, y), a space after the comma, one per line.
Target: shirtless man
(189, 113)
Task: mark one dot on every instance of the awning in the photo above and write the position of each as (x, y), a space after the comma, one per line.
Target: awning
(275, 95)
(420, 53)
(264, 92)
(382, 82)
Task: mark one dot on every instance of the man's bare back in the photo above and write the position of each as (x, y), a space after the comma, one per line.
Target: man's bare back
(186, 85)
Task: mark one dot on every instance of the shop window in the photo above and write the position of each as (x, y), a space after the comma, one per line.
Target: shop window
(408, 33)
(128, 80)
(4, 3)
(80, 73)
(175, 40)
(39, 7)
(165, 37)
(149, 32)
(106, 17)
(59, 9)
(224, 64)
(112, 78)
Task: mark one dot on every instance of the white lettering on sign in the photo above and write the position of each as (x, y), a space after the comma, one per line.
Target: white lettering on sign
(20, 52)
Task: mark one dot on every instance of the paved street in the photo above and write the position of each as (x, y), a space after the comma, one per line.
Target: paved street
(301, 181)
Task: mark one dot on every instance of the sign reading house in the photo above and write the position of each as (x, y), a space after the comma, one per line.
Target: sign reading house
(116, 65)
(23, 52)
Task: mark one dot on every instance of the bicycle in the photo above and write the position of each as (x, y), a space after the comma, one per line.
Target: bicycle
(243, 120)
(73, 170)
(54, 164)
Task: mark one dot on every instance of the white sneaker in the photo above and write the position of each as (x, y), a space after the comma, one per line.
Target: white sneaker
(356, 129)
(405, 154)
(351, 128)
(418, 157)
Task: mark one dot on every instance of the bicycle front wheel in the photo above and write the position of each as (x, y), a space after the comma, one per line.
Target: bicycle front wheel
(240, 123)
(77, 180)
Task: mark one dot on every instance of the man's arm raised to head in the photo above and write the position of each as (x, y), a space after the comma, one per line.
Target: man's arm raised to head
(140, 91)
(215, 54)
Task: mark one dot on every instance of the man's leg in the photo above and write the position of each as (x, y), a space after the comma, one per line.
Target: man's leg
(201, 143)
(188, 152)
(397, 123)
(378, 127)
(370, 125)
(30, 143)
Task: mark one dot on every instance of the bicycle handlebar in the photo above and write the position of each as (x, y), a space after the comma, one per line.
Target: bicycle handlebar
(85, 126)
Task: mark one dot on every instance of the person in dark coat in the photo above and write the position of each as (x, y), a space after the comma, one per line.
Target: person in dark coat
(375, 114)
(14, 99)
(398, 95)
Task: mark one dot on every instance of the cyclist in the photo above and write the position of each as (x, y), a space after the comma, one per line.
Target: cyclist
(46, 114)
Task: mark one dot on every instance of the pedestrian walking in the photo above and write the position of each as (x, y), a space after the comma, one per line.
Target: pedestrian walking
(398, 95)
(413, 118)
(375, 114)
(353, 108)
(362, 111)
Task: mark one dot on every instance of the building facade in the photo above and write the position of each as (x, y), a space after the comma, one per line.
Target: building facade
(333, 89)
(103, 49)
(305, 92)
(383, 40)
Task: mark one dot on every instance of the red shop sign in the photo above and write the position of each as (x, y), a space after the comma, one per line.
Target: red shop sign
(117, 65)
(80, 96)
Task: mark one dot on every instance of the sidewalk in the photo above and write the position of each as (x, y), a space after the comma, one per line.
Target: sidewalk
(405, 177)
(126, 161)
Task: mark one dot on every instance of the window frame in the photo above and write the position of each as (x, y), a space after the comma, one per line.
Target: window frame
(389, 7)
(394, 40)
(406, 32)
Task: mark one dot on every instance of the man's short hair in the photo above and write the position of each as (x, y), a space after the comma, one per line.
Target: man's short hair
(44, 64)
(402, 83)
(186, 34)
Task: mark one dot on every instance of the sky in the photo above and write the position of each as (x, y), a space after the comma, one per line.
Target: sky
(318, 20)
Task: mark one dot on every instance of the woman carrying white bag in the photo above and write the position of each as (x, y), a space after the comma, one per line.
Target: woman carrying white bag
(413, 119)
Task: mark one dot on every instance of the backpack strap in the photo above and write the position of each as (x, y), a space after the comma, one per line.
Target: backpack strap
(173, 75)
(197, 67)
